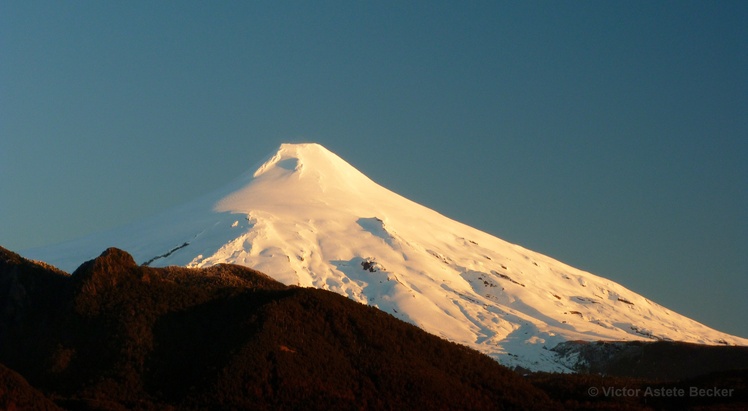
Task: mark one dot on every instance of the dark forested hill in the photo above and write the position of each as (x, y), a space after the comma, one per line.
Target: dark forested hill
(116, 335)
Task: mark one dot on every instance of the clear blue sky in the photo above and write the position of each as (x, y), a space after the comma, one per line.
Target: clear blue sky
(612, 136)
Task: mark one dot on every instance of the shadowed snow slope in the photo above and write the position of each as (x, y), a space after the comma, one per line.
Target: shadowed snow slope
(306, 217)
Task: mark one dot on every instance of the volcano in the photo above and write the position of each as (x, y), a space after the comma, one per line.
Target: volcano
(306, 217)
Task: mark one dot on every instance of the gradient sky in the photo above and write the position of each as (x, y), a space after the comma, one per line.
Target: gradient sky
(612, 136)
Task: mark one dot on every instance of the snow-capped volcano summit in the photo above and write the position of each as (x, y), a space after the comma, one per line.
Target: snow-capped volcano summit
(307, 217)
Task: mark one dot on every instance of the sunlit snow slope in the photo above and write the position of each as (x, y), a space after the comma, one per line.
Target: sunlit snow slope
(307, 217)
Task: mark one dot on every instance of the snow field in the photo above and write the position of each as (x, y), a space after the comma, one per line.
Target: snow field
(308, 218)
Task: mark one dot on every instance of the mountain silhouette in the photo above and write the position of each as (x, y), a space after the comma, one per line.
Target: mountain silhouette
(117, 335)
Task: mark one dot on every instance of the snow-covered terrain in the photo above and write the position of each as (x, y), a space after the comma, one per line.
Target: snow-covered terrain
(307, 217)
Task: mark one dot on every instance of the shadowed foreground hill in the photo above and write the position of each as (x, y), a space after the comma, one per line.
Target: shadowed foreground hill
(17, 394)
(116, 335)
